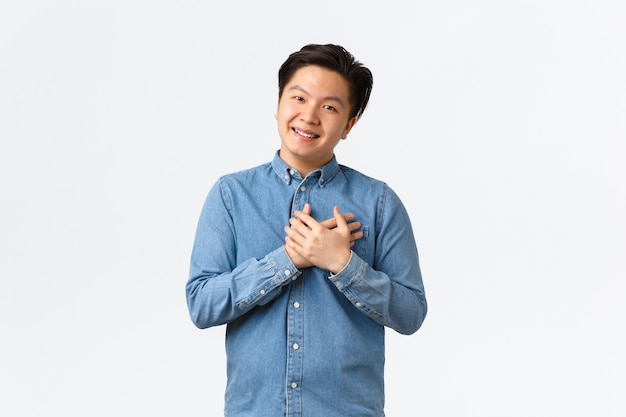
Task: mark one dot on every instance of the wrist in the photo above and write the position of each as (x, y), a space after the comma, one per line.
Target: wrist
(342, 263)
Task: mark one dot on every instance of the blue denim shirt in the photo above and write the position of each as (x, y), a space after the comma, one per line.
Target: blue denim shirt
(303, 342)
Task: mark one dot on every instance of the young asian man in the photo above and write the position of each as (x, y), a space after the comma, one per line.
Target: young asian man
(305, 290)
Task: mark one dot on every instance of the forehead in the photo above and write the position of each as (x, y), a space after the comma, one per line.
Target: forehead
(320, 81)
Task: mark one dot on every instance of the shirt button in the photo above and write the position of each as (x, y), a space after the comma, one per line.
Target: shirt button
(296, 304)
(287, 272)
(295, 346)
(262, 292)
(358, 304)
(337, 282)
(294, 385)
(302, 188)
(291, 171)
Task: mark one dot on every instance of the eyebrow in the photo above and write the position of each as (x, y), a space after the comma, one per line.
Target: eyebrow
(332, 98)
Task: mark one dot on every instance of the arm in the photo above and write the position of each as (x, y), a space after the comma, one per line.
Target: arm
(390, 291)
(220, 290)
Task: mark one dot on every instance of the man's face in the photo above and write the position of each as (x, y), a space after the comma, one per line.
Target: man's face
(313, 116)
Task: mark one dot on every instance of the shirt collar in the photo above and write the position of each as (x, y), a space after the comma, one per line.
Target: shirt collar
(286, 173)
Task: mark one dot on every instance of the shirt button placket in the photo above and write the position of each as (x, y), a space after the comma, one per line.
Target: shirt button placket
(295, 337)
(295, 321)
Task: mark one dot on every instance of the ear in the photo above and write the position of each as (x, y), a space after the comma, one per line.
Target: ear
(349, 126)
(277, 107)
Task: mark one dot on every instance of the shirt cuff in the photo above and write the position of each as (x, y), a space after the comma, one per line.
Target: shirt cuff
(281, 264)
(344, 268)
(349, 274)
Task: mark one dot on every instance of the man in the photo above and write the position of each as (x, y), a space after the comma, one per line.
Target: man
(306, 301)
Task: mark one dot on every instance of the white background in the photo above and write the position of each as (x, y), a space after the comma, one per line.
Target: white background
(501, 125)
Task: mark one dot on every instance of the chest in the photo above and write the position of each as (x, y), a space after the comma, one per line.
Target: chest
(260, 217)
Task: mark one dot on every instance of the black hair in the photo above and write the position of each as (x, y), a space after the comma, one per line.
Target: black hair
(334, 58)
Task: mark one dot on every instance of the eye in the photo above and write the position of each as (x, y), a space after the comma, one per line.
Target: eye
(298, 98)
(329, 107)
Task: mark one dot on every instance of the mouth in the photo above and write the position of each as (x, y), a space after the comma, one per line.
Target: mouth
(307, 135)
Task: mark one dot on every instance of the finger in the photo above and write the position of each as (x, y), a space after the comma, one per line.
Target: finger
(307, 220)
(332, 223)
(307, 209)
(294, 235)
(354, 226)
(356, 236)
(329, 223)
(293, 250)
(298, 226)
(341, 222)
(291, 243)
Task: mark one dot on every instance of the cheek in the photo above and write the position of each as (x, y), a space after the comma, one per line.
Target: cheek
(280, 112)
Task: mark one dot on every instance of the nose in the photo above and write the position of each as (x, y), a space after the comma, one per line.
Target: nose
(309, 114)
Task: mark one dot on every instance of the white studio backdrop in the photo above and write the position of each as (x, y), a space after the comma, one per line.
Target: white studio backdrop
(501, 125)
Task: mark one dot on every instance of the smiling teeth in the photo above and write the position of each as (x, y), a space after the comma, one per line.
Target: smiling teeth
(308, 135)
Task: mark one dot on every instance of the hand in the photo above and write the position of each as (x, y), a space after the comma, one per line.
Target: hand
(332, 223)
(326, 244)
